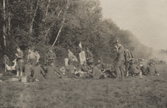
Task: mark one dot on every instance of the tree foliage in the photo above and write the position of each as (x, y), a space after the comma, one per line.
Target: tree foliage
(38, 23)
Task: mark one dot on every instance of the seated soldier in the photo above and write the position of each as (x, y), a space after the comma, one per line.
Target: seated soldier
(51, 57)
(84, 67)
(144, 67)
(96, 73)
(38, 72)
(134, 69)
(152, 69)
(28, 70)
(52, 72)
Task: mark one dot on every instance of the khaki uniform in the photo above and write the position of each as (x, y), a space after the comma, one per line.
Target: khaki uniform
(52, 72)
(144, 68)
(128, 55)
(20, 63)
(28, 70)
(51, 57)
(120, 60)
(89, 57)
(38, 73)
(32, 58)
(134, 69)
(96, 73)
(152, 70)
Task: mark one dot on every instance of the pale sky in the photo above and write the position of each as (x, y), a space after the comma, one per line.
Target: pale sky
(146, 19)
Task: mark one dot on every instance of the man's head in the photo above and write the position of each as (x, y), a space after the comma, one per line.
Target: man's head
(30, 50)
(18, 49)
(52, 64)
(87, 49)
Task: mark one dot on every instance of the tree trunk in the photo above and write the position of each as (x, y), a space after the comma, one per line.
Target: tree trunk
(4, 25)
(59, 32)
(33, 16)
(64, 18)
(47, 31)
(9, 19)
(46, 12)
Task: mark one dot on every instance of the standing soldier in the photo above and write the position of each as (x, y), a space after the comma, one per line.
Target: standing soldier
(89, 57)
(51, 57)
(119, 66)
(72, 61)
(31, 57)
(128, 57)
(20, 61)
(37, 56)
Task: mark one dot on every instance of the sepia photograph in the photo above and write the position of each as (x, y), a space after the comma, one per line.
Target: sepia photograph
(83, 53)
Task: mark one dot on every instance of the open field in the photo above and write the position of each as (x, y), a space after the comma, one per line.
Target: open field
(133, 92)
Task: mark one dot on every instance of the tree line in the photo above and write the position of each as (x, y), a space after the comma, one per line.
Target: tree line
(63, 24)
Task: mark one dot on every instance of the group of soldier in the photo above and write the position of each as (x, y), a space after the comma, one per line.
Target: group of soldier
(30, 66)
(124, 65)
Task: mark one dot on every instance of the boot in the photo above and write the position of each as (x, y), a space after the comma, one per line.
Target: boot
(17, 74)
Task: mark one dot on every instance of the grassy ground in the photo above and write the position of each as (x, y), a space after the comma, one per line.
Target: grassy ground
(133, 92)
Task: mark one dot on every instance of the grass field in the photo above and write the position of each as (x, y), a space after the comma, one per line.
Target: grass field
(133, 92)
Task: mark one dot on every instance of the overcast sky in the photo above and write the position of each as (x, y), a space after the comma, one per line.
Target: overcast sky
(146, 19)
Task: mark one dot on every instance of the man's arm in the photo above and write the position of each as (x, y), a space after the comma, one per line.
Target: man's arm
(19, 55)
(42, 71)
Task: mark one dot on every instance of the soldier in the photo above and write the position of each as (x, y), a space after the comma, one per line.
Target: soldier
(37, 56)
(72, 61)
(152, 69)
(38, 72)
(51, 57)
(31, 57)
(120, 60)
(84, 67)
(144, 67)
(96, 72)
(128, 56)
(134, 68)
(89, 57)
(20, 61)
(28, 70)
(52, 72)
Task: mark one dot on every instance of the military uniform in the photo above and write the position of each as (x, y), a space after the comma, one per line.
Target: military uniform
(144, 68)
(28, 70)
(96, 72)
(152, 70)
(20, 63)
(32, 58)
(134, 68)
(38, 73)
(84, 68)
(89, 57)
(120, 60)
(52, 72)
(128, 55)
(51, 57)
